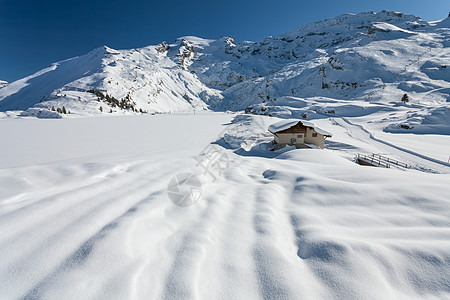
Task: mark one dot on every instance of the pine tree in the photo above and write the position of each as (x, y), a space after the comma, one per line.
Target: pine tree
(101, 109)
(64, 110)
(405, 98)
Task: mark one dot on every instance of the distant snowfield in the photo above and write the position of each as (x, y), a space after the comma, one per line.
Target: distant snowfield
(84, 212)
(432, 145)
(29, 141)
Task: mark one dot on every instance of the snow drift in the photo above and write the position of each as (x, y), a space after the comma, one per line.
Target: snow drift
(84, 213)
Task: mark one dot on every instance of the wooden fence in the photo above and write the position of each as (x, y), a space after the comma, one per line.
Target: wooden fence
(378, 160)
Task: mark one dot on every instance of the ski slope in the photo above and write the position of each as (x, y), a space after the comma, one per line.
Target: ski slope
(85, 214)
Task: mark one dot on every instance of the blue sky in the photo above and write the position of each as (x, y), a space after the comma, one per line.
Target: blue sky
(34, 34)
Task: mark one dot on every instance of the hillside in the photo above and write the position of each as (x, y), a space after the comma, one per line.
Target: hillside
(147, 80)
(346, 66)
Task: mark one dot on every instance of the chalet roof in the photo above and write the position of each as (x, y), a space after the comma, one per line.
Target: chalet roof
(288, 123)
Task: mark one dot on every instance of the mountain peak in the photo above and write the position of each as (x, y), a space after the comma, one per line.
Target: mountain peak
(360, 22)
(365, 57)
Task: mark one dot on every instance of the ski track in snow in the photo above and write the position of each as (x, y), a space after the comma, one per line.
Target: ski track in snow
(419, 161)
(306, 224)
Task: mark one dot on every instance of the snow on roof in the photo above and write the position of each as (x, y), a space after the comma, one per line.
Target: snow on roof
(282, 125)
(288, 123)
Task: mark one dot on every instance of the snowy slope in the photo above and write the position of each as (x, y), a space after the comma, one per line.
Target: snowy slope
(365, 60)
(86, 215)
(367, 57)
(151, 82)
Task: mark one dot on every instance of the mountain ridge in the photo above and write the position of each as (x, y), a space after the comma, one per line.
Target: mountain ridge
(373, 57)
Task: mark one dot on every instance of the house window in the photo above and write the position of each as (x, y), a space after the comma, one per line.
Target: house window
(314, 134)
(300, 136)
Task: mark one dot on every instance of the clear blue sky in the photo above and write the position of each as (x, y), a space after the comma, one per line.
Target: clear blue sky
(35, 33)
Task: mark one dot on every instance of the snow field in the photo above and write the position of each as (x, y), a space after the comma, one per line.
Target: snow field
(88, 216)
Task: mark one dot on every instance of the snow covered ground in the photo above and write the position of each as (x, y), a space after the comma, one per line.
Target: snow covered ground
(85, 214)
(87, 204)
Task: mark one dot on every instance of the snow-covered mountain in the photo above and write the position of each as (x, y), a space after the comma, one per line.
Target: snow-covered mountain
(356, 56)
(141, 79)
(374, 58)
